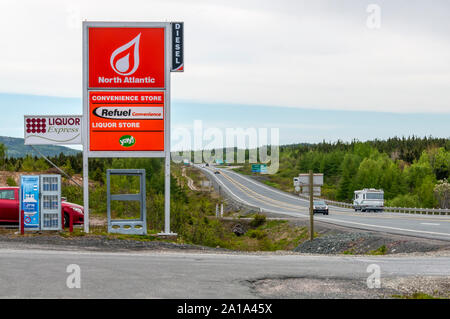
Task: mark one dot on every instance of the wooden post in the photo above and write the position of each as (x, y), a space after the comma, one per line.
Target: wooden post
(311, 203)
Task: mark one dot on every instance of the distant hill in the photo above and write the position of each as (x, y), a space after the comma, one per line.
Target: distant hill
(16, 148)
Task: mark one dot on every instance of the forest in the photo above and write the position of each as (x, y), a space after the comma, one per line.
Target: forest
(413, 171)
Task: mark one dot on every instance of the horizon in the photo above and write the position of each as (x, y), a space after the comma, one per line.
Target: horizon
(295, 125)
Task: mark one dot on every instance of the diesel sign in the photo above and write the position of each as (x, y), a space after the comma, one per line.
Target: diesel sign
(177, 47)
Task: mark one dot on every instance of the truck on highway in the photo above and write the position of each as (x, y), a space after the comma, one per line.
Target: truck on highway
(369, 199)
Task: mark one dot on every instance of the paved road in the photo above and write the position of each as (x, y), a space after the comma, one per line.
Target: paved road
(40, 273)
(253, 193)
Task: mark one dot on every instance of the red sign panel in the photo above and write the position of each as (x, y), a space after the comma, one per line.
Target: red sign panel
(126, 121)
(126, 57)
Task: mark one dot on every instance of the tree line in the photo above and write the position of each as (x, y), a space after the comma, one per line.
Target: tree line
(413, 171)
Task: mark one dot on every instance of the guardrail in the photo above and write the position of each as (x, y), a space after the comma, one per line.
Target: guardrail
(405, 210)
(425, 211)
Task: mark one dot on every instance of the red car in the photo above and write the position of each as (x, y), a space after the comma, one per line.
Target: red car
(9, 208)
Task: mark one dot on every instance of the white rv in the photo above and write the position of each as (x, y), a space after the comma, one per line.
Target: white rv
(368, 199)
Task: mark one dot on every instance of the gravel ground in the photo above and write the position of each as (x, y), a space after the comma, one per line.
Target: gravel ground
(93, 243)
(318, 288)
(368, 243)
(434, 286)
(334, 288)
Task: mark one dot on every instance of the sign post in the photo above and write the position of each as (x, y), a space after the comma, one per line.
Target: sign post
(311, 205)
(126, 94)
(309, 183)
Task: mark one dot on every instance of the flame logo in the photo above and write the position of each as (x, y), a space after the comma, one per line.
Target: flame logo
(120, 60)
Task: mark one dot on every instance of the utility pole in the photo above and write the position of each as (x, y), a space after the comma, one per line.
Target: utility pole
(311, 203)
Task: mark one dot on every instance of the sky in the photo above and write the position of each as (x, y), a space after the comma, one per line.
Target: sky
(314, 69)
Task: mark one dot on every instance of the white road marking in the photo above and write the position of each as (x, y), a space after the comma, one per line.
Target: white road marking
(432, 224)
(381, 226)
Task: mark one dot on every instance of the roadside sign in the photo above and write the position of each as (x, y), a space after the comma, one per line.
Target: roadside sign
(126, 94)
(52, 129)
(177, 47)
(259, 168)
(304, 179)
(29, 201)
(126, 121)
(316, 190)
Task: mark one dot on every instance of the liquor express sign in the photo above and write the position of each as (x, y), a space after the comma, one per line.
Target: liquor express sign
(52, 129)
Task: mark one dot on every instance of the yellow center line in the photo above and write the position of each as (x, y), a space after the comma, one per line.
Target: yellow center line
(260, 197)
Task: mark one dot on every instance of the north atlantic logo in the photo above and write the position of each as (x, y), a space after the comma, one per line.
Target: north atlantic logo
(121, 61)
(127, 141)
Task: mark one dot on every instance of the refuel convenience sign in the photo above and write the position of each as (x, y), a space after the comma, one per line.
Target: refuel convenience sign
(126, 121)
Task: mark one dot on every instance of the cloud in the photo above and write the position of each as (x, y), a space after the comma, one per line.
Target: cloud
(313, 54)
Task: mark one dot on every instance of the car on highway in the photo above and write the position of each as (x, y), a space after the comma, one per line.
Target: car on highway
(216, 172)
(319, 206)
(9, 208)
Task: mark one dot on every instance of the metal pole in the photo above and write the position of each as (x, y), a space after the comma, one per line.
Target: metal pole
(85, 130)
(311, 203)
(168, 31)
(86, 189)
(54, 165)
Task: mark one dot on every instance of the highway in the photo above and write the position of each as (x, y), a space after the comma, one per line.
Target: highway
(35, 273)
(41, 272)
(253, 193)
